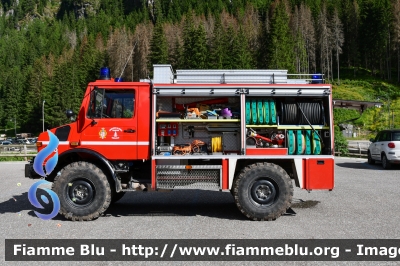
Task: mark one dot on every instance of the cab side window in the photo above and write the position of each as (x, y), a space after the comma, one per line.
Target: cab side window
(379, 136)
(386, 136)
(111, 103)
(383, 136)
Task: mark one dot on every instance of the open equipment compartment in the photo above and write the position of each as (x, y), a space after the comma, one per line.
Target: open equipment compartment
(299, 125)
(187, 125)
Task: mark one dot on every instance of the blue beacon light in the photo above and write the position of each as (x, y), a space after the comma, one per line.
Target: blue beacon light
(316, 79)
(105, 73)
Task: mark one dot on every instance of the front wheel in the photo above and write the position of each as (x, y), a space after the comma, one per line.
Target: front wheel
(370, 160)
(83, 190)
(263, 191)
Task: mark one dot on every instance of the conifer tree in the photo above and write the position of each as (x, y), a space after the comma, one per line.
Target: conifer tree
(280, 44)
(200, 48)
(241, 51)
(351, 23)
(396, 27)
(374, 32)
(324, 41)
(194, 52)
(158, 47)
(217, 49)
(262, 50)
(337, 38)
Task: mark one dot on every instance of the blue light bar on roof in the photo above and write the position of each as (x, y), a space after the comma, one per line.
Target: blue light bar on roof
(317, 79)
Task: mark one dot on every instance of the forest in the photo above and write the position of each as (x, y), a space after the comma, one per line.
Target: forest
(51, 49)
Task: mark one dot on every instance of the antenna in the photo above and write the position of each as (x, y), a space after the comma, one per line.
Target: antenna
(128, 59)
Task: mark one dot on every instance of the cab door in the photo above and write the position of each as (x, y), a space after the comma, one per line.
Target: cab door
(373, 147)
(112, 127)
(378, 145)
(382, 143)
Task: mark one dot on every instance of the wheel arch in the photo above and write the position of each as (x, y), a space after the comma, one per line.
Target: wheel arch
(86, 155)
(286, 164)
(383, 153)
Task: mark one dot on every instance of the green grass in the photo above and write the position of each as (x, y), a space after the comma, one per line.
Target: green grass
(361, 85)
(11, 159)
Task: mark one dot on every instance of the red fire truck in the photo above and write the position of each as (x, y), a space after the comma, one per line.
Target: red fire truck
(253, 133)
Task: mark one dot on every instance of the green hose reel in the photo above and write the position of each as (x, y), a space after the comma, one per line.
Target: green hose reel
(261, 112)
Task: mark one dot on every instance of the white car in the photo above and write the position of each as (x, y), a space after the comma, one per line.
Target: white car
(24, 141)
(385, 148)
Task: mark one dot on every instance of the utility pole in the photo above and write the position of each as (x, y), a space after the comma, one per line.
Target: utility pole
(15, 126)
(43, 113)
(393, 119)
(389, 112)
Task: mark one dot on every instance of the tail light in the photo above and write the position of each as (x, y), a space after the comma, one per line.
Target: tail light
(391, 145)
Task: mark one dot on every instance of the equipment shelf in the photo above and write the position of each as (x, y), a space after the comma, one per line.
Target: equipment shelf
(199, 120)
(288, 126)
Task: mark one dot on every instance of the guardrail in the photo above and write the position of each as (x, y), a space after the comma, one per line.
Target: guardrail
(18, 150)
(358, 149)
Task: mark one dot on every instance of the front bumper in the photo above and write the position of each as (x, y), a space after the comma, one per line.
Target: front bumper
(30, 172)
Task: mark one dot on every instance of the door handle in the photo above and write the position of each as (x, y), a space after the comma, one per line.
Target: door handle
(129, 130)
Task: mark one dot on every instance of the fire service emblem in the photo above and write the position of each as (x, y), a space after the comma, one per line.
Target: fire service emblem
(103, 133)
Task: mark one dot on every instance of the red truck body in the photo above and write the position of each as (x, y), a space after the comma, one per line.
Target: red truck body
(139, 136)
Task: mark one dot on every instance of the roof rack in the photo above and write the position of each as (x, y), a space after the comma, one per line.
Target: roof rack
(164, 74)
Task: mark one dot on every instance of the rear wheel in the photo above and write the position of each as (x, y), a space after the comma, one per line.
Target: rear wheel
(385, 162)
(83, 190)
(370, 160)
(263, 191)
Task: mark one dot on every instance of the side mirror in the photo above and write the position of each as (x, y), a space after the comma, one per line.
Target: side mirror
(372, 140)
(70, 114)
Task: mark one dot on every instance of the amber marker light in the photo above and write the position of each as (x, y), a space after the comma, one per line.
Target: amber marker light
(74, 143)
(39, 144)
(188, 167)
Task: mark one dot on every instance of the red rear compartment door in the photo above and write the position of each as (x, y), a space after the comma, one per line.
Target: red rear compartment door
(319, 173)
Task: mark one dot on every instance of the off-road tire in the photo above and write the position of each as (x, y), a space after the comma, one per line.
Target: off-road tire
(370, 160)
(385, 162)
(83, 190)
(263, 191)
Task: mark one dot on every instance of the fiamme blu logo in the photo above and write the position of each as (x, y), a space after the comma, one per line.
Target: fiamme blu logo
(52, 151)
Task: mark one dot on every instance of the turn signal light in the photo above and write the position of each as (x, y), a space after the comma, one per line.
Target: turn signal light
(188, 167)
(74, 143)
(39, 144)
(391, 145)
